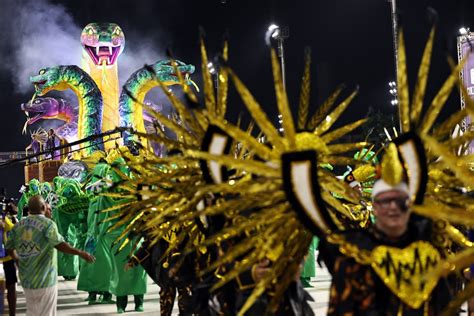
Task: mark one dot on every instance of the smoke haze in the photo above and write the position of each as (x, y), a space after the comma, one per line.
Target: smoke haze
(38, 34)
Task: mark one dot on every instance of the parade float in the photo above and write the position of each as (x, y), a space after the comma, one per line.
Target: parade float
(102, 107)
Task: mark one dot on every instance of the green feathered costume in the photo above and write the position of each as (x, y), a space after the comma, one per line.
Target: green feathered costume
(107, 274)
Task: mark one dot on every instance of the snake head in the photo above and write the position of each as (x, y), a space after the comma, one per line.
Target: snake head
(103, 42)
(46, 79)
(41, 108)
(166, 73)
(71, 189)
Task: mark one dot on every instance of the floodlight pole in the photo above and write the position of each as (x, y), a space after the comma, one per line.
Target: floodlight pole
(281, 54)
(393, 7)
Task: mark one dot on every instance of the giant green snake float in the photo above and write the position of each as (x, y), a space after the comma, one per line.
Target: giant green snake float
(97, 89)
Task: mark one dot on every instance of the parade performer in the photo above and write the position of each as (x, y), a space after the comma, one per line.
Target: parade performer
(383, 258)
(357, 285)
(70, 214)
(98, 277)
(34, 187)
(186, 183)
(38, 141)
(35, 238)
(107, 274)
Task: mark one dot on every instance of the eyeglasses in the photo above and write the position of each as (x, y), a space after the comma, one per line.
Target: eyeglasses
(402, 203)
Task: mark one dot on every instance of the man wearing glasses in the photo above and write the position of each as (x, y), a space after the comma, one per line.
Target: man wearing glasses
(356, 288)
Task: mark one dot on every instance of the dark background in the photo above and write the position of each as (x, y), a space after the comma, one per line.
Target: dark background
(351, 42)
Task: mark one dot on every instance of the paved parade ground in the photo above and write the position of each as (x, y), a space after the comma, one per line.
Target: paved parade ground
(72, 302)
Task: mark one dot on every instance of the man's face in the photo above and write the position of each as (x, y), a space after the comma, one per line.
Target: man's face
(392, 212)
(47, 210)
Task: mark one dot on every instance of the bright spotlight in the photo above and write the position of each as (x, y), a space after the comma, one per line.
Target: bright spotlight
(463, 31)
(392, 84)
(272, 27)
(211, 68)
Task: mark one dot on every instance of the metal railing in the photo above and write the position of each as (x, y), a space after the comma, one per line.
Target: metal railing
(50, 153)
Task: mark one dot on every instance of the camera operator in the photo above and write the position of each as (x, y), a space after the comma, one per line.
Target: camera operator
(7, 222)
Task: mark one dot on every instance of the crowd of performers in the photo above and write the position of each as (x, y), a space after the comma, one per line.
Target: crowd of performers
(227, 218)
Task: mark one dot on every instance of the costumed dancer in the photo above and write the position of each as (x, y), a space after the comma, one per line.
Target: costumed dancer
(97, 278)
(251, 279)
(401, 263)
(107, 276)
(131, 280)
(70, 214)
(357, 286)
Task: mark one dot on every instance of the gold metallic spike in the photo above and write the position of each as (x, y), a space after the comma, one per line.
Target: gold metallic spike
(239, 120)
(282, 103)
(440, 99)
(117, 195)
(209, 98)
(258, 114)
(460, 140)
(334, 115)
(440, 211)
(223, 79)
(450, 161)
(323, 110)
(305, 93)
(178, 73)
(184, 83)
(182, 110)
(402, 85)
(258, 168)
(172, 125)
(247, 140)
(338, 133)
(392, 169)
(456, 262)
(201, 118)
(420, 88)
(457, 236)
(116, 207)
(445, 128)
(250, 127)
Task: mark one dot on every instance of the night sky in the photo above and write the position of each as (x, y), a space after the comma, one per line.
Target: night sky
(351, 43)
